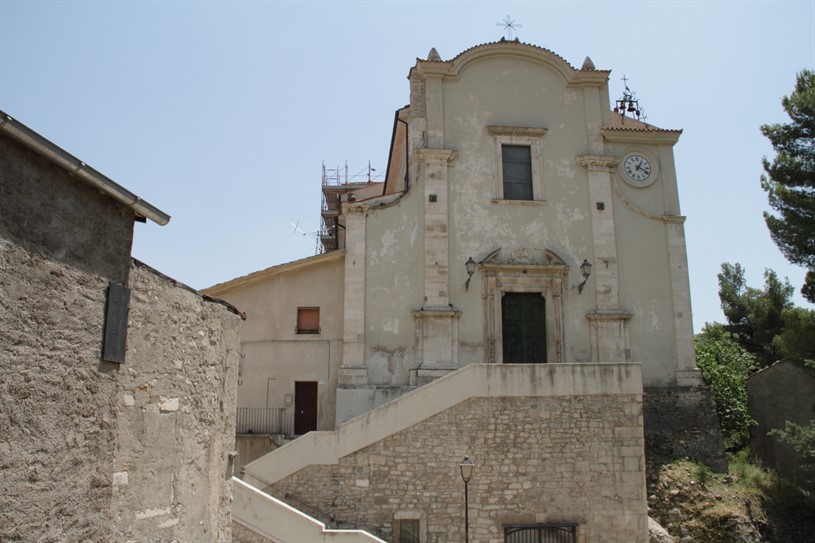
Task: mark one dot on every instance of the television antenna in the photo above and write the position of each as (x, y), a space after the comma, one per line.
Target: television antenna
(315, 236)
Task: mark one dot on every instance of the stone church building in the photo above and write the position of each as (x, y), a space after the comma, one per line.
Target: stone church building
(516, 290)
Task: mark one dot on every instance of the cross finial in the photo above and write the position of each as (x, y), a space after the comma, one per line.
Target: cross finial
(509, 25)
(625, 81)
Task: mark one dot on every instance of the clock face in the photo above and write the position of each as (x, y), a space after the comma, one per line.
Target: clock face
(637, 168)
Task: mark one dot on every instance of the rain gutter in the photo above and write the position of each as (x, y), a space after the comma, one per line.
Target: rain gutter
(75, 167)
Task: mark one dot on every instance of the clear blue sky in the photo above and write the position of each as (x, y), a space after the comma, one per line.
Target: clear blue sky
(220, 113)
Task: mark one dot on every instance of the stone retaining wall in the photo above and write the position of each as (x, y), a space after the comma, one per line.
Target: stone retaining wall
(554, 459)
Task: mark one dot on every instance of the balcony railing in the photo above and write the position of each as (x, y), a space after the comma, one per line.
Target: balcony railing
(264, 420)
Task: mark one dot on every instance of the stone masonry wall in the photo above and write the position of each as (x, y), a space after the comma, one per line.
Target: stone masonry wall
(562, 459)
(91, 451)
(175, 407)
(94, 452)
(43, 208)
(681, 422)
(57, 412)
(242, 534)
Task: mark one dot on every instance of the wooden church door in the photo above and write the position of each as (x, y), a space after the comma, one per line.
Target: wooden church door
(523, 316)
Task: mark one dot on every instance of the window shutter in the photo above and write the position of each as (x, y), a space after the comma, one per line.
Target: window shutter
(308, 320)
(118, 306)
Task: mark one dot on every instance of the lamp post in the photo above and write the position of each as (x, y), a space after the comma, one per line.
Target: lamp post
(466, 468)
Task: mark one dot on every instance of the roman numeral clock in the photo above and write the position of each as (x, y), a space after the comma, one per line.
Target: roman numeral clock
(639, 169)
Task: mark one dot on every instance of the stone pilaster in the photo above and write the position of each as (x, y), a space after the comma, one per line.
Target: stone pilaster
(353, 370)
(604, 272)
(687, 374)
(609, 324)
(436, 343)
(436, 221)
(437, 321)
(434, 99)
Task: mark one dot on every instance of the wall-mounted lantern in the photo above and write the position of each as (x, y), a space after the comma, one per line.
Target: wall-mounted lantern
(470, 264)
(585, 269)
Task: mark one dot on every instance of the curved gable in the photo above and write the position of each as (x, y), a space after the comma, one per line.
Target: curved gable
(570, 75)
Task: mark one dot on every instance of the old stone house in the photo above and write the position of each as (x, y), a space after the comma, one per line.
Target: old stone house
(117, 383)
(779, 393)
(516, 290)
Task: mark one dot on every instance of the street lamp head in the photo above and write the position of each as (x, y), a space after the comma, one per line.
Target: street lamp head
(470, 265)
(467, 468)
(585, 270)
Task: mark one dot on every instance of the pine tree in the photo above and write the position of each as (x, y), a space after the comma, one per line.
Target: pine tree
(790, 179)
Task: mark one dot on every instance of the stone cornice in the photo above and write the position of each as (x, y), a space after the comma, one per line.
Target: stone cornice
(525, 269)
(609, 315)
(437, 313)
(435, 156)
(597, 163)
(640, 135)
(516, 131)
(350, 208)
(669, 219)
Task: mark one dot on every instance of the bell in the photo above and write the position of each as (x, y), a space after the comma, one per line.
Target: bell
(631, 108)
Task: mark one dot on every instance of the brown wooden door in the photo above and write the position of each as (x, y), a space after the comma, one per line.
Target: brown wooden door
(305, 407)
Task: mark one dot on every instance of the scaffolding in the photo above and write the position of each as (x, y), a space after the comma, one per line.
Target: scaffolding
(336, 183)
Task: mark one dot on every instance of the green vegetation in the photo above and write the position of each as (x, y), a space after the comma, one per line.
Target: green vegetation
(764, 321)
(750, 504)
(789, 179)
(802, 439)
(754, 316)
(725, 366)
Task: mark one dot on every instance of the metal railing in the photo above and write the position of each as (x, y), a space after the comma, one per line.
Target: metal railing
(264, 420)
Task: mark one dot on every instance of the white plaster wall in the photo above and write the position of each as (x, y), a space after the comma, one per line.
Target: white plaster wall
(644, 265)
(515, 92)
(394, 287)
(273, 355)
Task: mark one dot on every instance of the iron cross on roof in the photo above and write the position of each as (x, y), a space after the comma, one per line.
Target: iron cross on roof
(509, 25)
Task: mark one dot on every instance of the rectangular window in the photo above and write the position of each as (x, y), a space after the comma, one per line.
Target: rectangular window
(517, 172)
(308, 320)
(517, 160)
(408, 531)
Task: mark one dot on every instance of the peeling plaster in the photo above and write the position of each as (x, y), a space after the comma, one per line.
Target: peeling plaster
(390, 325)
(563, 167)
(569, 98)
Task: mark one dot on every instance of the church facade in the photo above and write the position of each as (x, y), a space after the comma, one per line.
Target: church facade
(516, 290)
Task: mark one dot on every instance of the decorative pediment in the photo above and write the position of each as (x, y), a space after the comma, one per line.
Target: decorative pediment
(524, 257)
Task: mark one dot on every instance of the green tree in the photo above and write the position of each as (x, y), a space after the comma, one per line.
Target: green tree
(725, 365)
(754, 316)
(797, 340)
(802, 439)
(790, 179)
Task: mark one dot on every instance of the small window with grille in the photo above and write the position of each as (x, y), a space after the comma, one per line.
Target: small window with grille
(308, 320)
(407, 530)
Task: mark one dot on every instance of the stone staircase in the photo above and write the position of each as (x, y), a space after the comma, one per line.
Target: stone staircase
(279, 522)
(258, 517)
